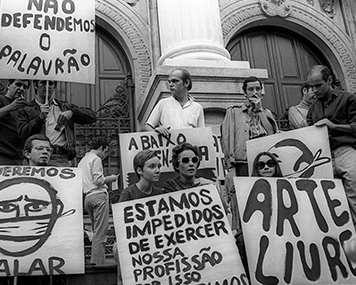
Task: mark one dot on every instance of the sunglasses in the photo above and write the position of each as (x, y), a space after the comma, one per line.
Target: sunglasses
(186, 159)
(270, 163)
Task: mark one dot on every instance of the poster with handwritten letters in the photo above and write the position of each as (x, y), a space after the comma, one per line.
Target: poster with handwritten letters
(132, 143)
(302, 153)
(41, 221)
(295, 230)
(48, 40)
(220, 168)
(178, 238)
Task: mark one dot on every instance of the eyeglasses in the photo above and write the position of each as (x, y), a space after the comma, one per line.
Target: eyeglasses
(186, 159)
(270, 163)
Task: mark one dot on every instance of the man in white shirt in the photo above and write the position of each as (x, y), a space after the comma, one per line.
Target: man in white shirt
(297, 115)
(96, 200)
(178, 111)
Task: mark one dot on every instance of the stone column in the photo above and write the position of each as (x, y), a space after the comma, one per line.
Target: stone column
(190, 32)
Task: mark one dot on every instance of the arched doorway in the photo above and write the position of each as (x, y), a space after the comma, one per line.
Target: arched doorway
(286, 55)
(111, 98)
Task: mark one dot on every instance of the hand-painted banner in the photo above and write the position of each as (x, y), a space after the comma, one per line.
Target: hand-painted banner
(48, 39)
(220, 168)
(178, 238)
(295, 230)
(132, 143)
(41, 221)
(302, 153)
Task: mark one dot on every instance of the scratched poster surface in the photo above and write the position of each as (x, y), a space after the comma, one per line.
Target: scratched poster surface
(41, 221)
(132, 143)
(295, 230)
(178, 238)
(303, 152)
(53, 40)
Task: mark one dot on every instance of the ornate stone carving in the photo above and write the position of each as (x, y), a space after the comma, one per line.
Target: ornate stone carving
(328, 7)
(325, 30)
(273, 8)
(134, 35)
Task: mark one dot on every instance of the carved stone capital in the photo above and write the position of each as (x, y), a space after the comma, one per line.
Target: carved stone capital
(271, 8)
(328, 7)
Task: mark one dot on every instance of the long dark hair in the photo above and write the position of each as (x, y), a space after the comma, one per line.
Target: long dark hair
(277, 173)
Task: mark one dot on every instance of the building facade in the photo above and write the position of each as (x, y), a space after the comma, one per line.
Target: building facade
(220, 43)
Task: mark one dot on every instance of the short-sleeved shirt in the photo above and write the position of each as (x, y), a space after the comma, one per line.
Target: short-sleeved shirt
(170, 113)
(341, 110)
(133, 193)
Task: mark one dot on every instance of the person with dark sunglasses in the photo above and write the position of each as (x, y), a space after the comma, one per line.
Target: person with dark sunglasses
(185, 161)
(266, 165)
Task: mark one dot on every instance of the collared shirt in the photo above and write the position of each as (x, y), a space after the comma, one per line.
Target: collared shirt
(170, 113)
(341, 110)
(297, 116)
(235, 131)
(56, 137)
(93, 174)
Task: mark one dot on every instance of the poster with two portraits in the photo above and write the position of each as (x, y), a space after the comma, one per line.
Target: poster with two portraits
(296, 227)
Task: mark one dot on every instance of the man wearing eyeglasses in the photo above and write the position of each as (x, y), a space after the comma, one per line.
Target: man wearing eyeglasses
(37, 150)
(178, 111)
(10, 142)
(336, 110)
(55, 119)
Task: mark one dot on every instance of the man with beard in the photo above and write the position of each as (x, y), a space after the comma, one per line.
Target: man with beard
(38, 150)
(10, 141)
(178, 111)
(336, 110)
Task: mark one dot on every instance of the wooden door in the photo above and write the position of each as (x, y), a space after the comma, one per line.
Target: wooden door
(287, 58)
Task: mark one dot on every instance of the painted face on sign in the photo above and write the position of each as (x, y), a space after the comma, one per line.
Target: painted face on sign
(29, 209)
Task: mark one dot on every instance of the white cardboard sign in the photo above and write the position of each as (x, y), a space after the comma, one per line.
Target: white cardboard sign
(48, 40)
(41, 221)
(178, 238)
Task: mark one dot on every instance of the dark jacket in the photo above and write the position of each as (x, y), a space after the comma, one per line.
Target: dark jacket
(30, 123)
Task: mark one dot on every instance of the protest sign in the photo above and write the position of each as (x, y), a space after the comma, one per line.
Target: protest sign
(48, 39)
(178, 238)
(295, 230)
(132, 143)
(41, 221)
(303, 152)
(220, 168)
